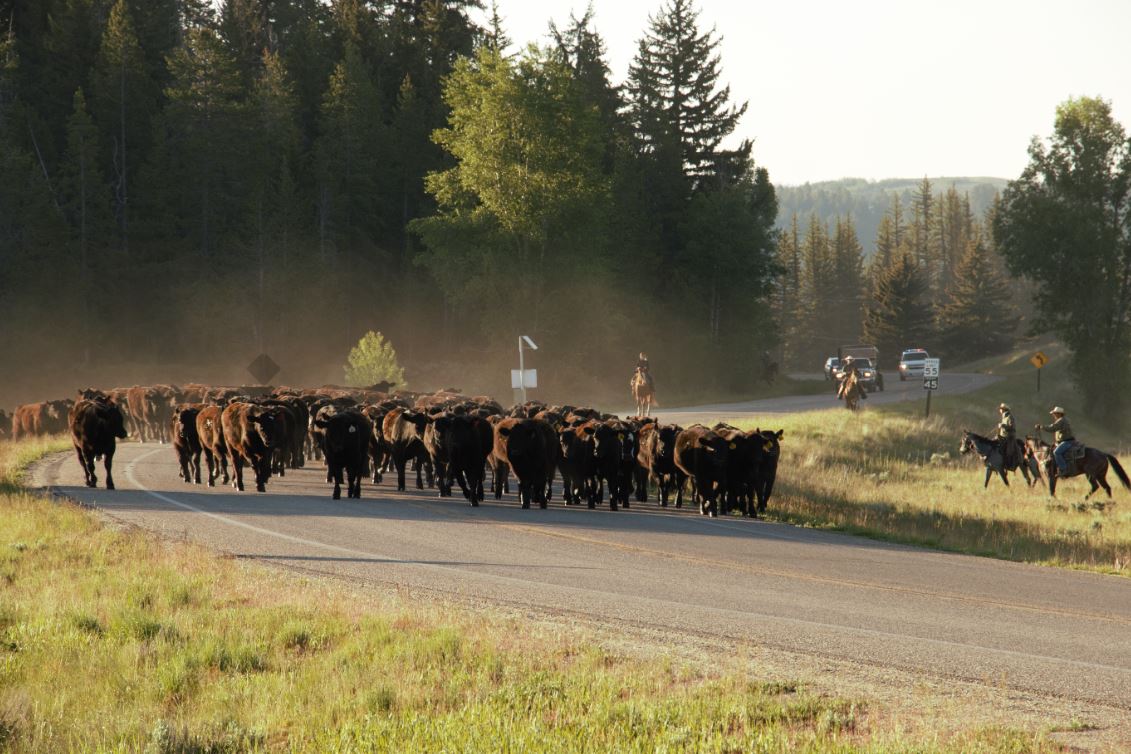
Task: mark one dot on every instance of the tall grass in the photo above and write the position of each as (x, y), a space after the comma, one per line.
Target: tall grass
(114, 640)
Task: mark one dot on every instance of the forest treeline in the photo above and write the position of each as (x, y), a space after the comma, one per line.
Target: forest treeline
(867, 201)
(935, 280)
(189, 184)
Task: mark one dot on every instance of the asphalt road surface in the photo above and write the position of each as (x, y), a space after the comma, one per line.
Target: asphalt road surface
(894, 392)
(1051, 632)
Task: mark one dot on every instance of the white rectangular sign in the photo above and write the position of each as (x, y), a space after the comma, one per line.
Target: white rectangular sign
(521, 378)
(930, 369)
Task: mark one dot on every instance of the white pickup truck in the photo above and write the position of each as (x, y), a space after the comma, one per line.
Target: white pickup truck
(911, 363)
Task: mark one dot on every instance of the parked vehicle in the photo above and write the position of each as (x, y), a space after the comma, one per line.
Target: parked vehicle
(911, 363)
(832, 368)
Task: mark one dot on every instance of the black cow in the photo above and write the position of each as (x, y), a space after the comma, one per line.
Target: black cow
(186, 441)
(345, 444)
(520, 444)
(96, 426)
(464, 442)
(577, 464)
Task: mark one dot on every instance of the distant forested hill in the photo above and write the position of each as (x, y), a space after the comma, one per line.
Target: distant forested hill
(866, 201)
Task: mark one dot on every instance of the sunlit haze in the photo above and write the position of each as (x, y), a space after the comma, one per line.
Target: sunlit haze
(888, 88)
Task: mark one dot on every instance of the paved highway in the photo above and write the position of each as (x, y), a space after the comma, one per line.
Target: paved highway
(1055, 633)
(894, 392)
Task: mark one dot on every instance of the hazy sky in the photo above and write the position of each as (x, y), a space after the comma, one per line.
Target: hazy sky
(889, 88)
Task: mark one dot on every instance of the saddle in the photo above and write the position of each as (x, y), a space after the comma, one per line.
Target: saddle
(1074, 455)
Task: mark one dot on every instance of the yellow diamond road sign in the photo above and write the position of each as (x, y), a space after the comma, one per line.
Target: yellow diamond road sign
(1039, 359)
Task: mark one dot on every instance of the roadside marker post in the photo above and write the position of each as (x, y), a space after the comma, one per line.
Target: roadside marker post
(930, 381)
(1039, 360)
(524, 377)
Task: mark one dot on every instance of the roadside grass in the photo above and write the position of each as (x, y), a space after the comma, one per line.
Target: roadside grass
(112, 639)
(889, 473)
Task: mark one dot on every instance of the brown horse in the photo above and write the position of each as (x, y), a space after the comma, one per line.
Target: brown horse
(851, 391)
(643, 392)
(1093, 465)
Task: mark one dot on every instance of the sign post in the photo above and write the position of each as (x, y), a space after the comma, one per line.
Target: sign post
(523, 381)
(930, 381)
(1039, 360)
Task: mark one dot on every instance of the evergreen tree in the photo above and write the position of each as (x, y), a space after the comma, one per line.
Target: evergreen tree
(676, 101)
(848, 274)
(898, 315)
(820, 310)
(207, 127)
(951, 233)
(349, 152)
(125, 103)
(977, 317)
(787, 302)
(890, 238)
(922, 218)
(495, 36)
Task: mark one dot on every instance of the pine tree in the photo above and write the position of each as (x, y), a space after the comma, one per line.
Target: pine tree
(787, 303)
(819, 311)
(924, 251)
(349, 156)
(951, 232)
(848, 276)
(495, 36)
(677, 101)
(898, 316)
(977, 317)
(125, 102)
(206, 121)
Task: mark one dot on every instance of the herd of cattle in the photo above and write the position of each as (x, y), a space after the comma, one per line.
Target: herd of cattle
(449, 438)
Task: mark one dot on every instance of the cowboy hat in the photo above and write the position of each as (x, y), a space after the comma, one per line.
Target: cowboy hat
(1057, 410)
(1003, 407)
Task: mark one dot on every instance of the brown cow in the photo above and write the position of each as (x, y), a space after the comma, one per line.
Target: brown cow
(96, 425)
(209, 428)
(5, 424)
(36, 419)
(403, 430)
(252, 434)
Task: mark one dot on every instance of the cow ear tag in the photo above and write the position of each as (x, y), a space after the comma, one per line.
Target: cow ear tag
(768, 447)
(353, 429)
(620, 435)
(733, 446)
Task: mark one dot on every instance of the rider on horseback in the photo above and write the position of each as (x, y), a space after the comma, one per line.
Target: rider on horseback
(1064, 438)
(643, 369)
(850, 368)
(1007, 437)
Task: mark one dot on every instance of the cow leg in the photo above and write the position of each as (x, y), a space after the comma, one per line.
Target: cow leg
(401, 463)
(500, 480)
(223, 455)
(420, 477)
(108, 462)
(336, 474)
(237, 467)
(211, 467)
(82, 463)
(262, 473)
(196, 467)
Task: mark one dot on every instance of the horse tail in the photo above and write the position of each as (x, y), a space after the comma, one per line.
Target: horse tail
(1119, 472)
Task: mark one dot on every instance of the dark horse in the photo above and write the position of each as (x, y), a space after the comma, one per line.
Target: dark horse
(1093, 465)
(991, 455)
